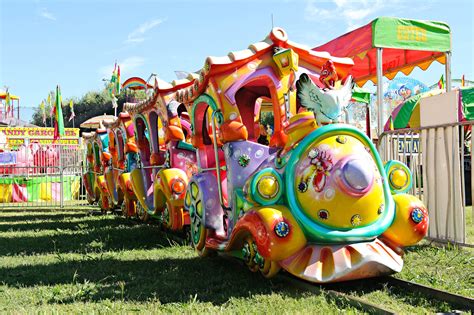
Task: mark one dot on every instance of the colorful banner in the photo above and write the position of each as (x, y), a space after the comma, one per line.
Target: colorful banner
(21, 189)
(16, 135)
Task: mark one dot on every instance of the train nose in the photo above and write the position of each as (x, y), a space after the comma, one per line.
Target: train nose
(357, 176)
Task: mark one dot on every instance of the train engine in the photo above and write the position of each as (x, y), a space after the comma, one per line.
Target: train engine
(326, 209)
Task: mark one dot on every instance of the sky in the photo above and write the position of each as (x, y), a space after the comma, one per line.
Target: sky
(76, 43)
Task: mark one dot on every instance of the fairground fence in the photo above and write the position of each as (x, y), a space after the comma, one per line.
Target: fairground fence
(42, 176)
(440, 160)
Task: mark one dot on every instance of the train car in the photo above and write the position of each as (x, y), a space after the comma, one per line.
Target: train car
(123, 159)
(88, 178)
(98, 157)
(316, 201)
(167, 159)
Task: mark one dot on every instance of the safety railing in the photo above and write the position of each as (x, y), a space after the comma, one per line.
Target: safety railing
(439, 158)
(42, 176)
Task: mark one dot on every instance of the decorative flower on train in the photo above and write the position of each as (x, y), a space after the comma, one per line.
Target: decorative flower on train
(321, 161)
(327, 105)
(191, 167)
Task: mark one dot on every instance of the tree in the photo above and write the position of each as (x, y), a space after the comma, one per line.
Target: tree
(93, 103)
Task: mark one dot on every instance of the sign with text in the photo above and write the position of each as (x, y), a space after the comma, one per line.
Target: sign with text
(16, 136)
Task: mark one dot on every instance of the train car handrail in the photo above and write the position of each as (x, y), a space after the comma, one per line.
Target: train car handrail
(216, 156)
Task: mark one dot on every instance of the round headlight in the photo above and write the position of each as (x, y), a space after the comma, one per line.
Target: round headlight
(178, 186)
(399, 176)
(266, 186)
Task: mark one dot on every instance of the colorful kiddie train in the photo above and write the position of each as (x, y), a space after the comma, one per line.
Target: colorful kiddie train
(167, 159)
(97, 160)
(315, 200)
(122, 158)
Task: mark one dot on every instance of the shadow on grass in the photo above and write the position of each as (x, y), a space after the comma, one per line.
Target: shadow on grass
(170, 280)
(130, 236)
(55, 223)
(40, 216)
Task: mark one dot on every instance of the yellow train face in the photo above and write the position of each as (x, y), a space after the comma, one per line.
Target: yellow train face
(338, 184)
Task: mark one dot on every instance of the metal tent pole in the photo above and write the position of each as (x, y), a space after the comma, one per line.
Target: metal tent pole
(380, 92)
(367, 121)
(448, 71)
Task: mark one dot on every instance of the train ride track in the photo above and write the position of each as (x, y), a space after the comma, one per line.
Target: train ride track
(337, 292)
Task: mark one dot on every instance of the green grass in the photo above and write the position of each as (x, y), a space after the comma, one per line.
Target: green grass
(69, 261)
(447, 267)
(469, 226)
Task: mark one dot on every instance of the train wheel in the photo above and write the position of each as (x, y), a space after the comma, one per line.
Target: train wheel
(256, 262)
(142, 214)
(268, 268)
(187, 235)
(132, 208)
(249, 251)
(123, 208)
(166, 218)
(194, 204)
(104, 204)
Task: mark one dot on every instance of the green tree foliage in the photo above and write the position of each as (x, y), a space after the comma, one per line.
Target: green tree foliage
(93, 103)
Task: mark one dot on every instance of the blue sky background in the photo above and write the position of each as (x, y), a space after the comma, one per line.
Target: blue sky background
(75, 43)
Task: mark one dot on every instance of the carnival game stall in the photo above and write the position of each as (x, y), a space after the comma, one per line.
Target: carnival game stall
(168, 160)
(387, 46)
(33, 169)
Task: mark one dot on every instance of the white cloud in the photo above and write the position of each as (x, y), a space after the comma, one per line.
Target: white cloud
(137, 35)
(314, 13)
(347, 11)
(46, 14)
(127, 66)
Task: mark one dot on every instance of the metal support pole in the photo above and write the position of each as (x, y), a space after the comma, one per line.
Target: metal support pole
(367, 121)
(380, 106)
(448, 71)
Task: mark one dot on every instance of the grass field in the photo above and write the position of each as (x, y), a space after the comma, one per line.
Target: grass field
(69, 261)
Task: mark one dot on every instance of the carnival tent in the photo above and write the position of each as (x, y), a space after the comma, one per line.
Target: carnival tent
(3, 95)
(407, 114)
(406, 44)
(388, 45)
(94, 122)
